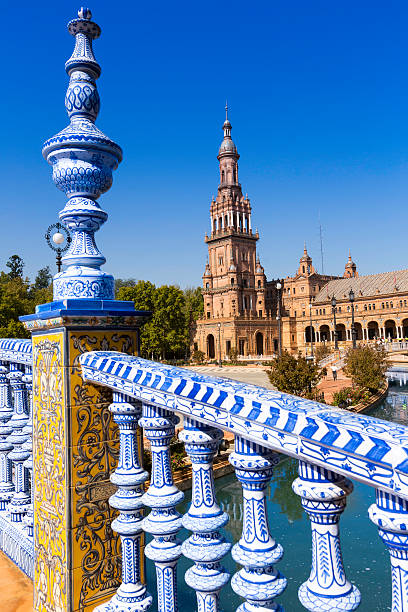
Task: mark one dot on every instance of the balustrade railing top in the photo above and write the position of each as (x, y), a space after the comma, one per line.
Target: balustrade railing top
(16, 350)
(329, 443)
(368, 449)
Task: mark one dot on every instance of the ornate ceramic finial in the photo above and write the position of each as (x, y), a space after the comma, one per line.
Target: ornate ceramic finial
(226, 110)
(83, 159)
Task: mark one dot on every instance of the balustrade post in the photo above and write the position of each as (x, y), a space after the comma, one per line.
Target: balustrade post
(390, 514)
(162, 496)
(6, 412)
(206, 547)
(323, 495)
(20, 500)
(258, 581)
(28, 446)
(129, 477)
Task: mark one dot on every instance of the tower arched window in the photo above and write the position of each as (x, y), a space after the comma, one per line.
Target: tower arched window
(235, 175)
(207, 285)
(259, 284)
(222, 176)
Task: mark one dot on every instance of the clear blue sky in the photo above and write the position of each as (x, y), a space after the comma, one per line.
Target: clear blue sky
(319, 102)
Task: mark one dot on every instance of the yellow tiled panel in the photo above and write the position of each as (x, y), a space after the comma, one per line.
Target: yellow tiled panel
(50, 472)
(96, 583)
(90, 542)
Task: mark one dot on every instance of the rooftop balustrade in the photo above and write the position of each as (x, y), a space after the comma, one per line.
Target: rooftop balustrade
(332, 446)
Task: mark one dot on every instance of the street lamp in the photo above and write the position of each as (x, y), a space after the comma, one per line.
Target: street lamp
(311, 330)
(278, 318)
(353, 328)
(56, 241)
(334, 303)
(219, 344)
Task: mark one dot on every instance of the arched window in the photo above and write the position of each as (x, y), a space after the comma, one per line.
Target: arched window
(222, 176)
(235, 175)
(207, 285)
(232, 281)
(259, 283)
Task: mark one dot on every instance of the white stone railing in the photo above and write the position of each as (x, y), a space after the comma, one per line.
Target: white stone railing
(331, 446)
(16, 460)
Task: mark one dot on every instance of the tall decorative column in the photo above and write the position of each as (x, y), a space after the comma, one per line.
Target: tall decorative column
(6, 412)
(206, 547)
(162, 497)
(129, 477)
(259, 582)
(20, 499)
(390, 514)
(323, 494)
(75, 439)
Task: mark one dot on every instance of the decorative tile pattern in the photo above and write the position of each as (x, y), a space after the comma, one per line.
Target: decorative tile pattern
(82, 160)
(372, 450)
(50, 474)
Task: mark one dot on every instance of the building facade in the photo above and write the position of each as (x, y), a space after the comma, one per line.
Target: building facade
(241, 307)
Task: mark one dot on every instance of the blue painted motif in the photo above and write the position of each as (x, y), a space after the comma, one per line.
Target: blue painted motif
(82, 160)
(206, 546)
(300, 428)
(162, 497)
(129, 477)
(323, 495)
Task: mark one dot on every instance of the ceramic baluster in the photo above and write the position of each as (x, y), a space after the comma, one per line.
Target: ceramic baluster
(323, 494)
(162, 496)
(28, 446)
(21, 499)
(129, 476)
(206, 547)
(390, 514)
(6, 412)
(259, 582)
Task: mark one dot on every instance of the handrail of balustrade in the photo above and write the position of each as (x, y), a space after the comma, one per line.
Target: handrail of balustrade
(365, 448)
(16, 350)
(329, 443)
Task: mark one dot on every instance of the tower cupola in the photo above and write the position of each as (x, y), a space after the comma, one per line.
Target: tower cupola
(350, 270)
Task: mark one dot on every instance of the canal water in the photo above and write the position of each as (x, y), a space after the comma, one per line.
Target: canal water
(365, 557)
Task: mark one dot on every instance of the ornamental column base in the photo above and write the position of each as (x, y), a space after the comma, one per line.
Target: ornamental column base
(75, 450)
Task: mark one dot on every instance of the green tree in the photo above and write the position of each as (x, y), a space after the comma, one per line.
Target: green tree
(18, 297)
(43, 278)
(194, 309)
(15, 301)
(295, 375)
(366, 366)
(16, 265)
(194, 303)
(169, 321)
(142, 294)
(165, 335)
(124, 282)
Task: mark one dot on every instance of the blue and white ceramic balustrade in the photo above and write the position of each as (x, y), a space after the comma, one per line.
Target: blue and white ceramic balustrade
(16, 508)
(206, 546)
(162, 497)
(332, 446)
(259, 581)
(129, 476)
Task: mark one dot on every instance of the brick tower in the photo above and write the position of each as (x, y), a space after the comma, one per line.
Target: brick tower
(234, 282)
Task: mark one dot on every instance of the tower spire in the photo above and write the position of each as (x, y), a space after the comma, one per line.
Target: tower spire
(82, 158)
(226, 110)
